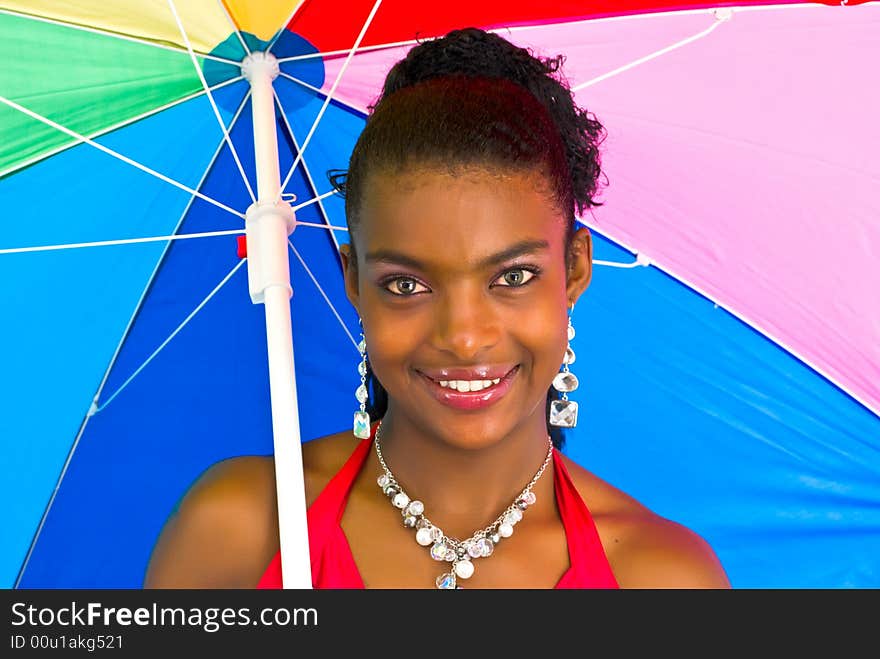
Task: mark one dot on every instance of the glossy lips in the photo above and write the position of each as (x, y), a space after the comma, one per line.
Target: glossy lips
(471, 400)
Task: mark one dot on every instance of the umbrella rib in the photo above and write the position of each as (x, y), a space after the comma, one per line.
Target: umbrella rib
(315, 200)
(311, 181)
(234, 26)
(649, 57)
(616, 264)
(323, 294)
(110, 129)
(647, 15)
(116, 35)
(201, 75)
(180, 221)
(284, 25)
(189, 236)
(330, 227)
(522, 28)
(344, 51)
(329, 96)
(515, 28)
(121, 241)
(111, 363)
(741, 317)
(116, 154)
(168, 340)
(322, 94)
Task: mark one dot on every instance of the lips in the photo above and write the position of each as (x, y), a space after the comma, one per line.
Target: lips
(471, 400)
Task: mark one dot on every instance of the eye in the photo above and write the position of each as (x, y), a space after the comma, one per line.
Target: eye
(518, 277)
(402, 286)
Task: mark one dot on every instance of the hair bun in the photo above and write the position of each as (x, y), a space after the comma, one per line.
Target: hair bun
(474, 52)
(468, 51)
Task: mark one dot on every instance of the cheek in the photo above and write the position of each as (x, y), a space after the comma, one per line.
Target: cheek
(543, 330)
(546, 338)
(547, 311)
(391, 340)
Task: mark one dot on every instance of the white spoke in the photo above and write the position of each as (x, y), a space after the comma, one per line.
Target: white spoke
(648, 58)
(180, 236)
(302, 83)
(331, 227)
(364, 49)
(320, 93)
(284, 25)
(650, 15)
(161, 347)
(115, 154)
(117, 35)
(639, 262)
(323, 294)
(234, 26)
(345, 64)
(110, 129)
(315, 200)
(201, 75)
(121, 241)
(538, 27)
(311, 181)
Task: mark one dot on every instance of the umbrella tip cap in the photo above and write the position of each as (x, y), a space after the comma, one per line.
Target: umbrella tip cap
(259, 63)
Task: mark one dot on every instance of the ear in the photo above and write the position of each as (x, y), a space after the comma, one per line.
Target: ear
(350, 274)
(580, 270)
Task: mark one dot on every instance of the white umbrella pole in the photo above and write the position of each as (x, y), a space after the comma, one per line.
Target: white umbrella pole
(269, 222)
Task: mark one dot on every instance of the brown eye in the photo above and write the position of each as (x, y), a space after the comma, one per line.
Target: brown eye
(402, 286)
(517, 277)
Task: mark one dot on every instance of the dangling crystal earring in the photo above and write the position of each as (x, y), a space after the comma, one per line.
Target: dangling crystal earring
(361, 417)
(564, 412)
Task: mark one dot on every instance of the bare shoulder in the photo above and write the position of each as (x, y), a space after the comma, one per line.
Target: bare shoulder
(223, 532)
(323, 458)
(644, 549)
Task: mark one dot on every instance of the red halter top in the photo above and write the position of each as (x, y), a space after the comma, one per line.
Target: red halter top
(333, 565)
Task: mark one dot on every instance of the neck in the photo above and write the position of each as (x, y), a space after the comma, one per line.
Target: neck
(464, 488)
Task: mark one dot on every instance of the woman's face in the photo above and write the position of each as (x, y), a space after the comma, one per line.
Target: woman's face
(461, 280)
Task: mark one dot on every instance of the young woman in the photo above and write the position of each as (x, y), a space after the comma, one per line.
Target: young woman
(463, 264)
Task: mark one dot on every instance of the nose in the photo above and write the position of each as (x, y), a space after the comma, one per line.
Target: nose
(466, 325)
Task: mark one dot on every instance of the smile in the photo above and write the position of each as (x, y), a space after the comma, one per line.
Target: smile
(470, 394)
(469, 385)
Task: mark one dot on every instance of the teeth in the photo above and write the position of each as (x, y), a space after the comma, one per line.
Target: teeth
(468, 385)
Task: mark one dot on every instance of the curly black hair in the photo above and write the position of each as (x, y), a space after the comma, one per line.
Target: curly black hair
(472, 98)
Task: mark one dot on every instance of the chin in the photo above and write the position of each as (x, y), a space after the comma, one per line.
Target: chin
(472, 432)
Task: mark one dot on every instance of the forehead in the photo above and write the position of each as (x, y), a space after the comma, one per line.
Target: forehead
(454, 221)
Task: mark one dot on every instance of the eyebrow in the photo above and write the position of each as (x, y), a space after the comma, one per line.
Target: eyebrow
(517, 249)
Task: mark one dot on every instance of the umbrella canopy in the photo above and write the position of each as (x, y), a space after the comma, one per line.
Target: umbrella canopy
(728, 347)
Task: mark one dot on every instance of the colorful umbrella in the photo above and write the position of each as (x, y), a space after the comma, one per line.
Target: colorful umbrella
(728, 347)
